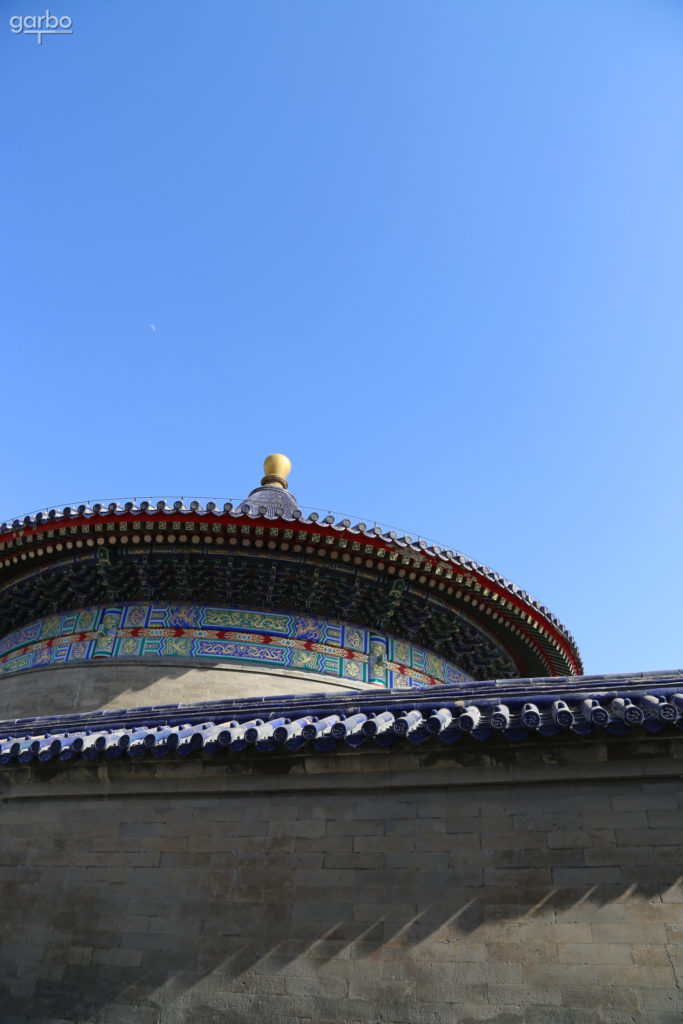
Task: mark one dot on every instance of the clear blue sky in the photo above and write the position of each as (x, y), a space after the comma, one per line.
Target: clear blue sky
(432, 250)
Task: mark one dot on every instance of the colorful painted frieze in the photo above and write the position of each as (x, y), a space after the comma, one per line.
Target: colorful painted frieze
(300, 642)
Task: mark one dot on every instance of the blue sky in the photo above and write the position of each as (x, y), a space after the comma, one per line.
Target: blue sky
(431, 249)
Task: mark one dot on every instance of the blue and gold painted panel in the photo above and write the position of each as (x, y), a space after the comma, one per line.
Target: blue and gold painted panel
(300, 642)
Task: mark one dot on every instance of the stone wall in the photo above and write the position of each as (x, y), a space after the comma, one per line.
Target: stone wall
(490, 882)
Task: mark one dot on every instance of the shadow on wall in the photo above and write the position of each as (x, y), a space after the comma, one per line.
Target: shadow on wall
(96, 685)
(335, 907)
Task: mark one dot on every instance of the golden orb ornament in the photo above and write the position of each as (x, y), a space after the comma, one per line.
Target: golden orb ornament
(277, 468)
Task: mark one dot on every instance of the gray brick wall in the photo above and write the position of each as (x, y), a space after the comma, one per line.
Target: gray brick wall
(354, 900)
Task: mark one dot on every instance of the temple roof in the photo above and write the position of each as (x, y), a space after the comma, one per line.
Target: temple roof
(270, 502)
(266, 552)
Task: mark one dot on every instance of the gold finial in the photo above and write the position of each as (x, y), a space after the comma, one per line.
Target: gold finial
(277, 468)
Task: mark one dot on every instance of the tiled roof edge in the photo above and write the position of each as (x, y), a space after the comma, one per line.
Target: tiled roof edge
(579, 705)
(242, 509)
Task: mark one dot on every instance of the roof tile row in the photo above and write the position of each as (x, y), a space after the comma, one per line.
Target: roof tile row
(576, 705)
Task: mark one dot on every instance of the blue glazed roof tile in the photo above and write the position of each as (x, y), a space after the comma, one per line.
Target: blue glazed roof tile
(512, 708)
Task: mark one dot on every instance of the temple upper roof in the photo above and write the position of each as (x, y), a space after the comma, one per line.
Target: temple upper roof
(266, 553)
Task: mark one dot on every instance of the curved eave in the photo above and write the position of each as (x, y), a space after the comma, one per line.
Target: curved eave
(485, 597)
